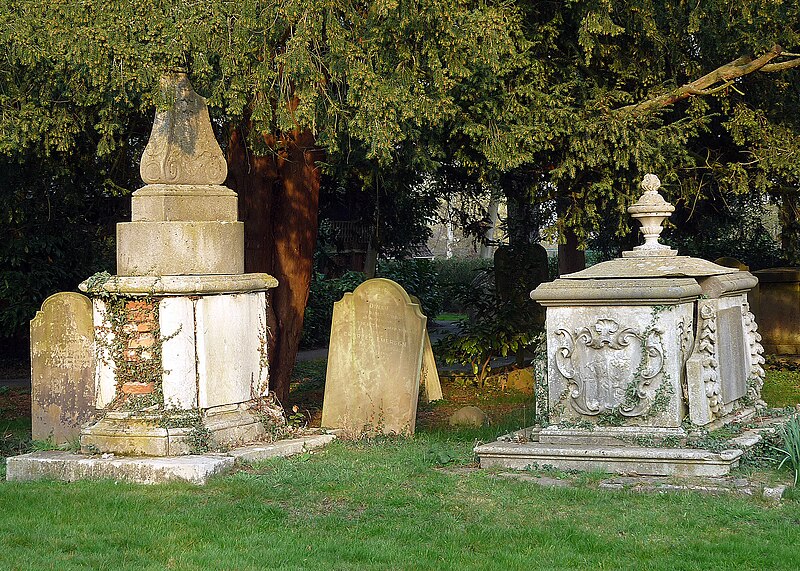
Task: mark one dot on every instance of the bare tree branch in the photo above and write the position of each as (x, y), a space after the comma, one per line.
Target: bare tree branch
(781, 66)
(704, 85)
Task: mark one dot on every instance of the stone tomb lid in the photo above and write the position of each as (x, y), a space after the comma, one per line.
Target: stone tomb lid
(650, 273)
(622, 291)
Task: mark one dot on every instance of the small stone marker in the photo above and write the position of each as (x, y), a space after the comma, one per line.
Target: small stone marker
(62, 368)
(469, 416)
(374, 361)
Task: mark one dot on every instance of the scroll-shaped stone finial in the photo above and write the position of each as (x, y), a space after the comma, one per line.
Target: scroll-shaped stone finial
(651, 210)
(182, 149)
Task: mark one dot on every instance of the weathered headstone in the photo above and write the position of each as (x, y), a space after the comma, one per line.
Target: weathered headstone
(777, 309)
(374, 361)
(62, 368)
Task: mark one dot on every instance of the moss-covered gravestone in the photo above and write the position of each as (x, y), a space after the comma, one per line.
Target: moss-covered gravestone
(62, 368)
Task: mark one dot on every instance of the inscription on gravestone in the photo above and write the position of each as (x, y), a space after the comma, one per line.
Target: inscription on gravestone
(62, 368)
(374, 360)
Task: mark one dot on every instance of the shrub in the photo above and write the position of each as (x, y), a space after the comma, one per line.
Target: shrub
(790, 434)
(419, 278)
(495, 328)
(323, 293)
(454, 275)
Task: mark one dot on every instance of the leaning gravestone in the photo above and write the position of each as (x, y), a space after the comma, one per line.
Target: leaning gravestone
(62, 368)
(374, 361)
(429, 382)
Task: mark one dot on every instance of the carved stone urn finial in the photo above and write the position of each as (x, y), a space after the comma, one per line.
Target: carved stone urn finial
(651, 210)
(182, 149)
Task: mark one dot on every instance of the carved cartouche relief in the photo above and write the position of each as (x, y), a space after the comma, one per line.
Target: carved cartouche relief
(609, 368)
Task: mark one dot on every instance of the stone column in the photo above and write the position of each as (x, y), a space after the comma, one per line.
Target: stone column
(181, 331)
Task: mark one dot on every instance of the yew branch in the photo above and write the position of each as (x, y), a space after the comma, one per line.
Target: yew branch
(724, 74)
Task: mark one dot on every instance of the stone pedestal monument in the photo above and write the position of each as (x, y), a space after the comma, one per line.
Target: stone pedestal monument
(181, 331)
(638, 349)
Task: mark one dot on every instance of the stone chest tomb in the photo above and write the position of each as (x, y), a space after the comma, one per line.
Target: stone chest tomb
(639, 348)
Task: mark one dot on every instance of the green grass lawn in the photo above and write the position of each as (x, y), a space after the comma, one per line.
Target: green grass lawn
(385, 505)
(390, 504)
(781, 387)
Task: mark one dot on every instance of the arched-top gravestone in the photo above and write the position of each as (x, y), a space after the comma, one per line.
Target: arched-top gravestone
(374, 361)
(62, 368)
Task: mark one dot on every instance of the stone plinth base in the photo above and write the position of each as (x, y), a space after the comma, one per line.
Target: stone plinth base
(54, 465)
(611, 436)
(130, 434)
(612, 459)
(202, 341)
(180, 248)
(66, 466)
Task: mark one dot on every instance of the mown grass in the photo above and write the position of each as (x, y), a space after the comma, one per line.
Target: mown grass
(385, 504)
(781, 387)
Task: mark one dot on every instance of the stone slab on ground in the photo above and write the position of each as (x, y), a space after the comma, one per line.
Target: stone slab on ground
(281, 448)
(195, 469)
(67, 466)
(612, 459)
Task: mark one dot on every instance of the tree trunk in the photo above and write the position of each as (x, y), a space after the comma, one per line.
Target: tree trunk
(279, 203)
(789, 218)
(570, 258)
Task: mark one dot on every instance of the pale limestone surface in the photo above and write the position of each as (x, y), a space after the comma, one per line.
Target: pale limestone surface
(231, 348)
(55, 465)
(62, 368)
(105, 375)
(183, 249)
(280, 448)
(184, 222)
(213, 358)
(164, 203)
(176, 321)
(429, 376)
(182, 148)
(196, 469)
(622, 351)
(612, 459)
(374, 361)
(180, 248)
(618, 359)
(185, 285)
(726, 365)
(430, 384)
